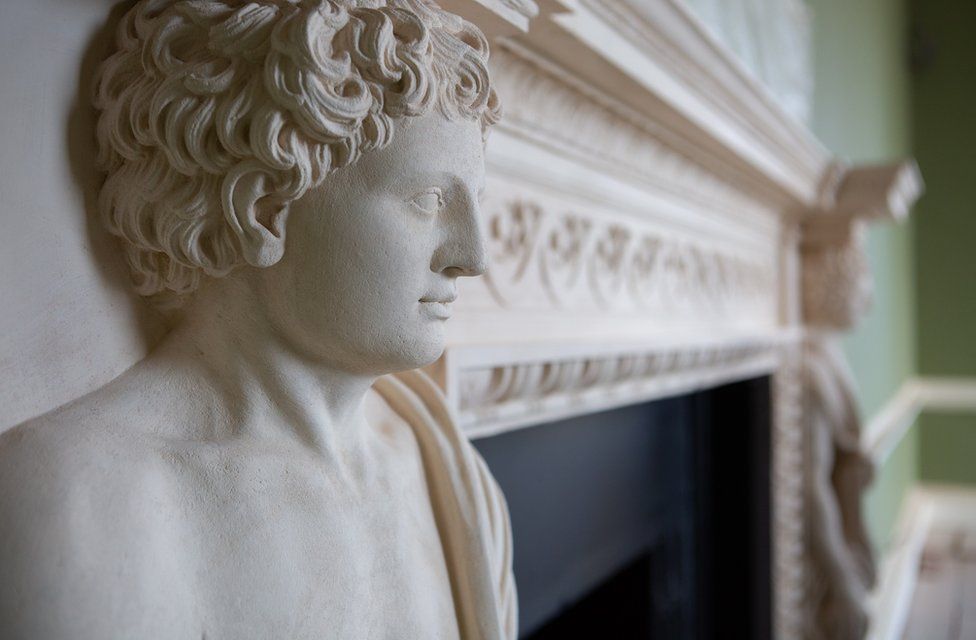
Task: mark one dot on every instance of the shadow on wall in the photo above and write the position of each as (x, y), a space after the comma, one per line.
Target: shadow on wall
(82, 152)
(69, 322)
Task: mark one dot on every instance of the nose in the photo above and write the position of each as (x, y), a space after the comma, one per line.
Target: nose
(462, 251)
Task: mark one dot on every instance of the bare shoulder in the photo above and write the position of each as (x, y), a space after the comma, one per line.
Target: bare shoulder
(85, 443)
(77, 487)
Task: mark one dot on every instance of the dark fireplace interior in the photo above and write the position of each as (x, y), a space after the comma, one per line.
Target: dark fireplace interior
(648, 521)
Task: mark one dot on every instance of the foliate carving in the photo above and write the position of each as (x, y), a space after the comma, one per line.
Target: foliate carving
(644, 268)
(837, 283)
(532, 390)
(606, 266)
(513, 236)
(561, 261)
(547, 256)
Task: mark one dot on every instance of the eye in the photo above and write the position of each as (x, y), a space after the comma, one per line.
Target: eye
(430, 201)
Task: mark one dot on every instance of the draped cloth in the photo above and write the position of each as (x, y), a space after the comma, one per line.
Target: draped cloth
(469, 509)
(843, 567)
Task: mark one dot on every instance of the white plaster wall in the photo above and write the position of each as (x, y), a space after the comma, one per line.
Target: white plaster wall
(67, 323)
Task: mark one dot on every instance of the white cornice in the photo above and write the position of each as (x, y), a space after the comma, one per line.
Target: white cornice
(496, 18)
(660, 68)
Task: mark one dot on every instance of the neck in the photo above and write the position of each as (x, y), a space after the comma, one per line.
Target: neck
(265, 387)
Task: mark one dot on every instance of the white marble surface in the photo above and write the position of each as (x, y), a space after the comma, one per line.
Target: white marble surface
(298, 187)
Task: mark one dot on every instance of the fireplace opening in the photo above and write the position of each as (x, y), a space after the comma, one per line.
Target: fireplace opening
(620, 607)
(647, 521)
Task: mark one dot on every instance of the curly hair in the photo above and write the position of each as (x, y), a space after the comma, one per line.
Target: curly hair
(202, 92)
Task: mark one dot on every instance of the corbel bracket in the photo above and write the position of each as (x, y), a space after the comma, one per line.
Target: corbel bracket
(866, 193)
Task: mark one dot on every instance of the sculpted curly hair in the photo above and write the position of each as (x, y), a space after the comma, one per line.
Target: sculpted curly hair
(201, 93)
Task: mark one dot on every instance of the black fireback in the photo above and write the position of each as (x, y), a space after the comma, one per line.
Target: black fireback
(648, 521)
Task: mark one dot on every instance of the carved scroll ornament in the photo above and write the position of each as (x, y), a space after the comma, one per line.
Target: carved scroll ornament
(581, 261)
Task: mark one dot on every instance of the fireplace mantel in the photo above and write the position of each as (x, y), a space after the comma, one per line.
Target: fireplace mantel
(649, 209)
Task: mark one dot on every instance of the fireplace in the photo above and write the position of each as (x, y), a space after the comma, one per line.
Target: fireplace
(646, 521)
(656, 226)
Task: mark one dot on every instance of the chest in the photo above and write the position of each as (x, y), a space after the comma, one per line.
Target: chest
(283, 550)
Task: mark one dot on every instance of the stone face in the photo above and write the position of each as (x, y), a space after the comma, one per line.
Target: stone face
(245, 480)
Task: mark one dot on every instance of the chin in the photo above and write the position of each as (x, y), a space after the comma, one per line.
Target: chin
(412, 352)
(425, 353)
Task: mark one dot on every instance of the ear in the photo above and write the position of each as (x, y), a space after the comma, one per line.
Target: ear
(257, 220)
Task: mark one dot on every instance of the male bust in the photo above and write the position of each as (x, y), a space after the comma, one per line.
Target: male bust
(299, 182)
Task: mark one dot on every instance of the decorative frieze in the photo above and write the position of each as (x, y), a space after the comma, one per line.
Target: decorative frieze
(559, 258)
(495, 391)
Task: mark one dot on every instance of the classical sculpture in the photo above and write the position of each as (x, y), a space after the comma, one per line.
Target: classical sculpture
(297, 182)
(837, 289)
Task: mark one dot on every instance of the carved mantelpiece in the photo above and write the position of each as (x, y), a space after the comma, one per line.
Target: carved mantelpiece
(653, 219)
(644, 197)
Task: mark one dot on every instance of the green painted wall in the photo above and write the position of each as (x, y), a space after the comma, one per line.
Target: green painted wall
(944, 122)
(944, 100)
(891, 484)
(861, 112)
(948, 449)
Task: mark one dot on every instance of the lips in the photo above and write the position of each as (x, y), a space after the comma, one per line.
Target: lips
(439, 305)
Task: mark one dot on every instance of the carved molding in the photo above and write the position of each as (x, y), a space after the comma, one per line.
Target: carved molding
(787, 476)
(655, 63)
(495, 390)
(561, 258)
(771, 38)
(836, 281)
(546, 102)
(496, 18)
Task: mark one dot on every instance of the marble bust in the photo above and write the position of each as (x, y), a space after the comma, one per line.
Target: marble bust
(297, 184)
